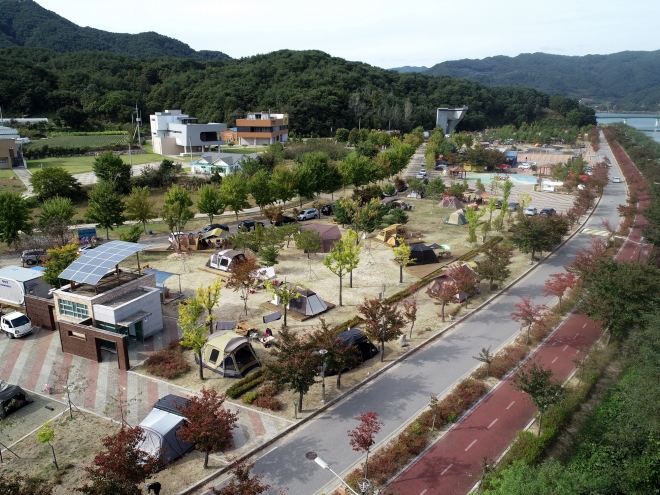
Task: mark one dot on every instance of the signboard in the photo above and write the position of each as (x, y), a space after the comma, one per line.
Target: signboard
(86, 233)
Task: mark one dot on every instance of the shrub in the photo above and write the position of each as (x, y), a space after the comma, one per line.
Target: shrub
(267, 402)
(249, 397)
(168, 362)
(506, 360)
(245, 384)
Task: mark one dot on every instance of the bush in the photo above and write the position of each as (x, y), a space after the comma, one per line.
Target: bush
(245, 384)
(168, 362)
(508, 359)
(249, 397)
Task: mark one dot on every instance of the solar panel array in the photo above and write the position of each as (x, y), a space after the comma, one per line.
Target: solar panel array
(95, 263)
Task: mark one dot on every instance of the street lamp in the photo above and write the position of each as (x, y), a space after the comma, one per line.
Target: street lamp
(322, 352)
(324, 465)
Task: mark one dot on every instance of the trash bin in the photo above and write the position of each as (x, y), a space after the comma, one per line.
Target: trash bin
(149, 232)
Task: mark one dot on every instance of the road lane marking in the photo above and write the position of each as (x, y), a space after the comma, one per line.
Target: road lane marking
(584, 325)
(512, 403)
(494, 421)
(468, 447)
(425, 490)
(576, 335)
(564, 348)
(553, 361)
(446, 469)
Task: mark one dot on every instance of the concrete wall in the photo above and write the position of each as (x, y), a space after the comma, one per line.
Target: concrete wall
(84, 341)
(166, 146)
(41, 311)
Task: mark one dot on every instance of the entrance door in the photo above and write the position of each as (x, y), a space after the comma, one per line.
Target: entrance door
(139, 335)
(107, 345)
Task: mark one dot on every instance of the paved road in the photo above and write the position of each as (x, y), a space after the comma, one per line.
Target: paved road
(453, 464)
(403, 392)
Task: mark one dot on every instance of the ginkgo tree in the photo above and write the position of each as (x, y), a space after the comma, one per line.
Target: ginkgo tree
(208, 296)
(343, 259)
(403, 256)
(194, 335)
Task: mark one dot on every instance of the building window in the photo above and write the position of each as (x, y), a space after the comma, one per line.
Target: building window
(110, 327)
(77, 335)
(73, 309)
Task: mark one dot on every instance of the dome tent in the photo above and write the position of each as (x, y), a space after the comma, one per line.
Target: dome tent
(160, 438)
(456, 218)
(451, 202)
(308, 302)
(229, 354)
(423, 254)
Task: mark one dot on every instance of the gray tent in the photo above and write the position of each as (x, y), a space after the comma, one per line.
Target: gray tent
(229, 354)
(308, 303)
(160, 438)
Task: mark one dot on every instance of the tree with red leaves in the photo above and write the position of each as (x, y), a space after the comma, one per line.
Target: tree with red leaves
(558, 284)
(444, 292)
(122, 467)
(362, 437)
(465, 280)
(209, 425)
(340, 356)
(410, 312)
(586, 259)
(382, 322)
(527, 313)
(242, 483)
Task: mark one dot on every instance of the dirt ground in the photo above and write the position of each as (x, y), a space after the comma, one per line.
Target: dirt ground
(375, 269)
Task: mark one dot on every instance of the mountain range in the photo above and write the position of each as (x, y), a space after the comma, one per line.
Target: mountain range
(26, 23)
(619, 81)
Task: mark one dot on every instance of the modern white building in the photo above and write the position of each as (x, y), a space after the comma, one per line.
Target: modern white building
(173, 133)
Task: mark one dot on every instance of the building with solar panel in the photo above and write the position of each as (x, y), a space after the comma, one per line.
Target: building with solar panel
(108, 297)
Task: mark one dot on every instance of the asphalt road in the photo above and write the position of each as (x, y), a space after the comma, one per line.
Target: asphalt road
(403, 392)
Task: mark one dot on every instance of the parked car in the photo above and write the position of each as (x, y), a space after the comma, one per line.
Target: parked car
(547, 212)
(283, 220)
(15, 324)
(308, 214)
(328, 209)
(616, 180)
(33, 256)
(524, 166)
(420, 176)
(498, 204)
(249, 225)
(422, 171)
(513, 206)
(213, 226)
(530, 211)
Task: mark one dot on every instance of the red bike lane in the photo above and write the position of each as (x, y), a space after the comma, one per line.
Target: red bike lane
(453, 464)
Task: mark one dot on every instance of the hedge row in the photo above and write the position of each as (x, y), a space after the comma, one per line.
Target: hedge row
(247, 383)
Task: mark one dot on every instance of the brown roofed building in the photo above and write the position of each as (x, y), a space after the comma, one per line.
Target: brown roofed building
(263, 128)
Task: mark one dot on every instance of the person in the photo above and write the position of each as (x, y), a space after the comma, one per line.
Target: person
(267, 337)
(155, 486)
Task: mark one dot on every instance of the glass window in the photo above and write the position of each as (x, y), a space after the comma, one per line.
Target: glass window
(213, 358)
(106, 326)
(73, 309)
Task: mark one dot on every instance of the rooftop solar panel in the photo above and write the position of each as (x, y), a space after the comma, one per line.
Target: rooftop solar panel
(95, 263)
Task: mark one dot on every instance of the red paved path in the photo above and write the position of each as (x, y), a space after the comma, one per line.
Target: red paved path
(453, 464)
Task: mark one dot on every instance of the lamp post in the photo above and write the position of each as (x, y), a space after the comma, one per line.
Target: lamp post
(322, 352)
(324, 465)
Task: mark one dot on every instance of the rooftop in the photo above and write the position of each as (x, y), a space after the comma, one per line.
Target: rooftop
(124, 298)
(107, 283)
(19, 273)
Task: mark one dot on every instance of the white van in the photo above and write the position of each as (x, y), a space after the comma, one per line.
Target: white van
(15, 324)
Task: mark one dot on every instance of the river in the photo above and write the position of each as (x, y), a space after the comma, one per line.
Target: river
(644, 123)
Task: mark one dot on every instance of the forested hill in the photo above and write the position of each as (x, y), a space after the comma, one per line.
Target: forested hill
(319, 92)
(26, 23)
(620, 81)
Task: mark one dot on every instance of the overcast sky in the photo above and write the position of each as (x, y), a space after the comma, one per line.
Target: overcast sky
(384, 33)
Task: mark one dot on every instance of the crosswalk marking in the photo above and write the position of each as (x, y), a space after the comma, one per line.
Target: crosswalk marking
(601, 233)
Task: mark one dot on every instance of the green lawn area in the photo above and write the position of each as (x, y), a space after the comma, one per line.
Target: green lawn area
(80, 164)
(9, 182)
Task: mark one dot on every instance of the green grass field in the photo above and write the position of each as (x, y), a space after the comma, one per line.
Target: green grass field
(9, 182)
(81, 141)
(80, 164)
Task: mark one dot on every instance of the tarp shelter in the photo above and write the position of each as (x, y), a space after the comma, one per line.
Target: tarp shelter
(160, 438)
(391, 231)
(451, 202)
(161, 277)
(230, 355)
(308, 302)
(422, 254)
(225, 260)
(329, 235)
(456, 218)
(355, 337)
(12, 398)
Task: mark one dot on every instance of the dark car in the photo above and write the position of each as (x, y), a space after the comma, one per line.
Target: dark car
(328, 210)
(213, 226)
(249, 225)
(33, 256)
(513, 206)
(283, 220)
(498, 204)
(547, 212)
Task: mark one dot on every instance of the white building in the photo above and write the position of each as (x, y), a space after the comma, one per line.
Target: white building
(173, 133)
(224, 163)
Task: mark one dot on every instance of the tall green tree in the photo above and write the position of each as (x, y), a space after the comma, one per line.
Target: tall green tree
(210, 202)
(14, 217)
(194, 335)
(111, 168)
(55, 181)
(403, 256)
(58, 260)
(139, 208)
(472, 216)
(105, 207)
(496, 265)
(283, 183)
(177, 212)
(56, 217)
(260, 189)
(234, 191)
(542, 388)
(342, 259)
(208, 296)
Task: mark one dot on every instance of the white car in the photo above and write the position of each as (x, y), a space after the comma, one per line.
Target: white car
(530, 211)
(524, 166)
(616, 180)
(15, 324)
(308, 214)
(422, 171)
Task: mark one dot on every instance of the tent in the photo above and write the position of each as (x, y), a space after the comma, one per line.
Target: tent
(225, 260)
(354, 337)
(415, 195)
(329, 234)
(451, 202)
(229, 354)
(422, 254)
(171, 403)
(308, 303)
(456, 218)
(160, 438)
(219, 233)
(393, 230)
(12, 398)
